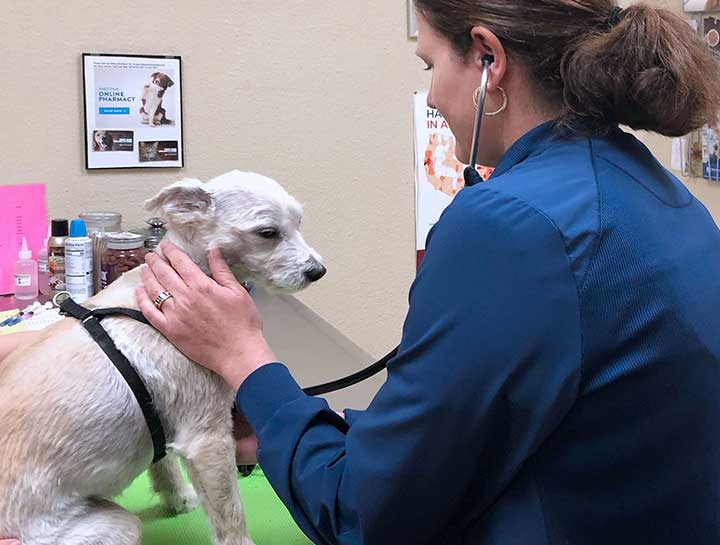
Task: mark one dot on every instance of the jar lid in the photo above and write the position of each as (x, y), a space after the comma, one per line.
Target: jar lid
(124, 241)
(59, 228)
(111, 217)
(156, 223)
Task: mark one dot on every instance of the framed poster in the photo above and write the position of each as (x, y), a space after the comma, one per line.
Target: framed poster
(438, 173)
(133, 111)
(711, 32)
(701, 5)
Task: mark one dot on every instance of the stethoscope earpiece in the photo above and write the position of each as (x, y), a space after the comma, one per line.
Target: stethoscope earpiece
(470, 174)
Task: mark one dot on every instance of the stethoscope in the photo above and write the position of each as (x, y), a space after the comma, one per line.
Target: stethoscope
(471, 175)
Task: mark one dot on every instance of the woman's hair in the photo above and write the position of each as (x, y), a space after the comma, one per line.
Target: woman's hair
(644, 67)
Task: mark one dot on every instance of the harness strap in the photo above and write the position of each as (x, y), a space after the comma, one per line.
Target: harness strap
(136, 315)
(90, 320)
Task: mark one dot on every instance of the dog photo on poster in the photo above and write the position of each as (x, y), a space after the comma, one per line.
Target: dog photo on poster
(133, 111)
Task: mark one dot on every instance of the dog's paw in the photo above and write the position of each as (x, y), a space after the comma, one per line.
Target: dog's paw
(183, 501)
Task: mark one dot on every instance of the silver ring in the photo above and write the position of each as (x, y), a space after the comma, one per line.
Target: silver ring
(161, 298)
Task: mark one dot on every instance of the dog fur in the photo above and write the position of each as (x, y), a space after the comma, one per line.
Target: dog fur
(151, 110)
(72, 435)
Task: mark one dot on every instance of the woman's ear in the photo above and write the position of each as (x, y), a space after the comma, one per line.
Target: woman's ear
(485, 42)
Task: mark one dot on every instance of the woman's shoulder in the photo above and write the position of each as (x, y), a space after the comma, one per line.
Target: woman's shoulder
(557, 185)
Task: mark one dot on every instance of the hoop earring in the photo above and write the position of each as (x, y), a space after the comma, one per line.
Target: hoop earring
(476, 101)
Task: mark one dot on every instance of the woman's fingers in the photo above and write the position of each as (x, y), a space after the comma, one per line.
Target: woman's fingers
(150, 311)
(165, 275)
(245, 451)
(221, 272)
(154, 288)
(190, 274)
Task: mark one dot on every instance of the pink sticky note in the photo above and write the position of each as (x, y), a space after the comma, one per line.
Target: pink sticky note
(23, 213)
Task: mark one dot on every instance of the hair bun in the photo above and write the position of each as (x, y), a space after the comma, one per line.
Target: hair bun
(649, 71)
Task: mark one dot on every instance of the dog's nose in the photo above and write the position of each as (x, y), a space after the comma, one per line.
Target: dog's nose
(316, 273)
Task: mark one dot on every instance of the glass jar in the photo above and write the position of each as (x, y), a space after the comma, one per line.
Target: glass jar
(153, 234)
(122, 253)
(99, 225)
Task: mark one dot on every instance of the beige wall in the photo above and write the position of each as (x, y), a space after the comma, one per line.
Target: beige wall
(316, 94)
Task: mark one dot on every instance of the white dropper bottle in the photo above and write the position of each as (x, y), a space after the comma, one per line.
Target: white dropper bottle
(26, 274)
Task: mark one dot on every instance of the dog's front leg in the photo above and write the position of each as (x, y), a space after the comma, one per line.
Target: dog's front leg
(143, 111)
(177, 495)
(151, 106)
(211, 464)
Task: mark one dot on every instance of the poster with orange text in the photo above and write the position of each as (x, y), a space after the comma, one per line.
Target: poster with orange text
(438, 173)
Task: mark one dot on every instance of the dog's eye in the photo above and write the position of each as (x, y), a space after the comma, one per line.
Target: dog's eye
(269, 233)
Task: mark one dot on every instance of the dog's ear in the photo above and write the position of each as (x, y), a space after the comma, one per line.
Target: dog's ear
(170, 82)
(183, 202)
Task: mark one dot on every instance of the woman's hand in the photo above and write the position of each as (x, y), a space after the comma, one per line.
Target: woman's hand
(246, 442)
(9, 542)
(213, 321)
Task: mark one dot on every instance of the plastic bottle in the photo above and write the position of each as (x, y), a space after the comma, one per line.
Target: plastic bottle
(56, 256)
(26, 274)
(79, 262)
(43, 275)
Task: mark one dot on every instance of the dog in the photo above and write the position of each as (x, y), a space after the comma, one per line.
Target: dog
(71, 433)
(102, 141)
(151, 110)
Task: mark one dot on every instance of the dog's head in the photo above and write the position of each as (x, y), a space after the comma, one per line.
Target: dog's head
(162, 80)
(251, 219)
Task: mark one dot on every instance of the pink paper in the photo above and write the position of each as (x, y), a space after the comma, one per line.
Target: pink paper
(23, 212)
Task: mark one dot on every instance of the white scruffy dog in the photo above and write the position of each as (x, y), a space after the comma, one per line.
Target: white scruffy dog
(72, 435)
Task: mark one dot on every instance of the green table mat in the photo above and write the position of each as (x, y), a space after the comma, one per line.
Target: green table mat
(268, 520)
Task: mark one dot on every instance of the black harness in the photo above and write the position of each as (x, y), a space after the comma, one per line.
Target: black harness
(90, 320)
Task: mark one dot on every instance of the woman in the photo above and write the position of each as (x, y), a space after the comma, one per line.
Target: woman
(563, 387)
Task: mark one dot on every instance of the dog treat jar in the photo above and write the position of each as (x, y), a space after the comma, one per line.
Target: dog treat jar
(122, 253)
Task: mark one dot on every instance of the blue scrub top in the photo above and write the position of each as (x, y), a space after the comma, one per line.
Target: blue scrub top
(558, 380)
